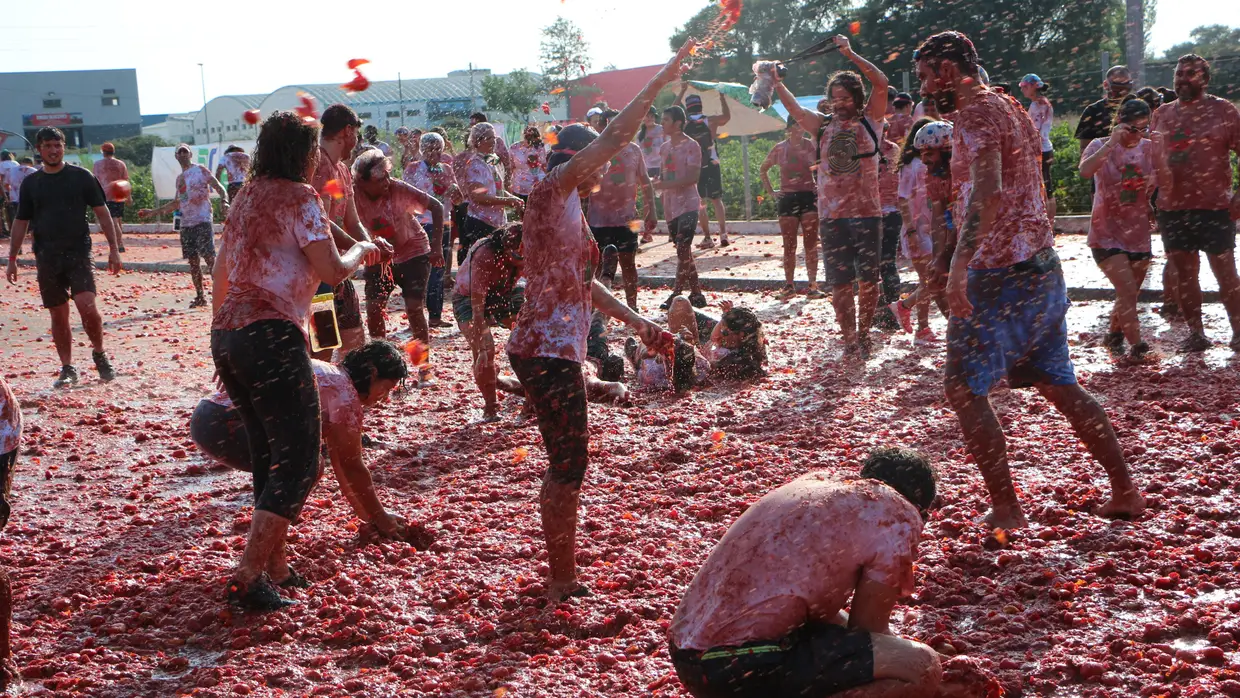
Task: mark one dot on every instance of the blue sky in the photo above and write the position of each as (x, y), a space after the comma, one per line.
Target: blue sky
(166, 40)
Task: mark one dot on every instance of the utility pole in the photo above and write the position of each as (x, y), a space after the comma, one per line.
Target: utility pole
(206, 120)
(473, 106)
(1134, 28)
(400, 95)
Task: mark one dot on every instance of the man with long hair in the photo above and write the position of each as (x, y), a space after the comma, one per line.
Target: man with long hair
(849, 203)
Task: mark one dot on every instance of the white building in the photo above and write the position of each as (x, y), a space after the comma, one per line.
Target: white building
(222, 119)
(173, 128)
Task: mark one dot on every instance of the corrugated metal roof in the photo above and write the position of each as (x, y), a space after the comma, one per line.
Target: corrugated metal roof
(250, 101)
(391, 91)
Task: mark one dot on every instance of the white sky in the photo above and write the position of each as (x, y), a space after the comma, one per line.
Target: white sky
(256, 46)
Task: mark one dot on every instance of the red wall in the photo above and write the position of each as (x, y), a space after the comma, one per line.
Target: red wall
(616, 87)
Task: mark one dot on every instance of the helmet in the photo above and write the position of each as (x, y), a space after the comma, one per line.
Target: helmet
(935, 135)
(981, 72)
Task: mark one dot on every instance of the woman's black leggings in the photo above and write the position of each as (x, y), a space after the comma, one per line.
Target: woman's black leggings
(265, 367)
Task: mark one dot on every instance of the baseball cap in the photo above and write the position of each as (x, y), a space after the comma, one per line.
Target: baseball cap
(594, 111)
(108, 147)
(693, 103)
(1032, 79)
(902, 99)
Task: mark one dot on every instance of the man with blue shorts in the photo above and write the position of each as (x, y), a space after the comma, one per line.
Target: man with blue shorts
(1005, 286)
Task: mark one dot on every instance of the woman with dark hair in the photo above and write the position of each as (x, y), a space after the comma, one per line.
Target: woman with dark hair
(796, 207)
(731, 347)
(1126, 168)
(548, 344)
(364, 378)
(276, 247)
(486, 293)
(529, 158)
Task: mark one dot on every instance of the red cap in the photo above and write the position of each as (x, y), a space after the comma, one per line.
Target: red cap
(108, 147)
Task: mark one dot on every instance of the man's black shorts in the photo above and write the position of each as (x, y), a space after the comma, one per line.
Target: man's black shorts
(814, 660)
(795, 204)
(1103, 254)
(62, 276)
(1197, 230)
(621, 236)
(116, 209)
(197, 241)
(234, 188)
(683, 227)
(710, 183)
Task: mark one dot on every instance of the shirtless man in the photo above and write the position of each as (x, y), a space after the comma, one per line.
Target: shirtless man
(1005, 285)
(764, 616)
(109, 171)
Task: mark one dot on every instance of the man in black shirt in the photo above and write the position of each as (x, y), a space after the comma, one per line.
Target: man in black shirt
(1096, 120)
(705, 130)
(55, 200)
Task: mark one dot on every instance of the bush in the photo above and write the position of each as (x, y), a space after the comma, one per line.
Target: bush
(1072, 192)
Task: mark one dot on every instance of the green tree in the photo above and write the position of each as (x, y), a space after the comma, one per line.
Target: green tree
(1209, 41)
(767, 29)
(515, 95)
(136, 151)
(565, 55)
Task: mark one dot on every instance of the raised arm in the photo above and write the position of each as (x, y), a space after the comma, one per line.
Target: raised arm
(876, 105)
(725, 117)
(622, 128)
(811, 121)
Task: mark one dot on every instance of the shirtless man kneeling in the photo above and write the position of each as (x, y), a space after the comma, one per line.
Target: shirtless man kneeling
(763, 617)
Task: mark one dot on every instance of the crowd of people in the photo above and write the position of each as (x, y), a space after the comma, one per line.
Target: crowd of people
(957, 186)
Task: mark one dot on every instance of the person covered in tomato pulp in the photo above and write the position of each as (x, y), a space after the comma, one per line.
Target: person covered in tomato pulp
(764, 616)
(365, 378)
(10, 439)
(1005, 285)
(193, 200)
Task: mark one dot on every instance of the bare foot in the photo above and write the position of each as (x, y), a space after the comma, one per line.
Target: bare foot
(1001, 518)
(1126, 506)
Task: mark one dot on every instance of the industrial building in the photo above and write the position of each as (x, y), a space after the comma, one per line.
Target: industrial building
(90, 106)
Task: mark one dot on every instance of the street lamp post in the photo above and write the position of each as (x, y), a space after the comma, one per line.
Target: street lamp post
(206, 120)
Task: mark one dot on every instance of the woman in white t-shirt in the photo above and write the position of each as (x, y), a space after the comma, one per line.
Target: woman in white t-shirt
(1126, 169)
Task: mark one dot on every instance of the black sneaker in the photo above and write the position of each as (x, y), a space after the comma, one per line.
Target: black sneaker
(668, 303)
(1139, 351)
(697, 300)
(68, 376)
(1195, 343)
(259, 595)
(106, 372)
(198, 302)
